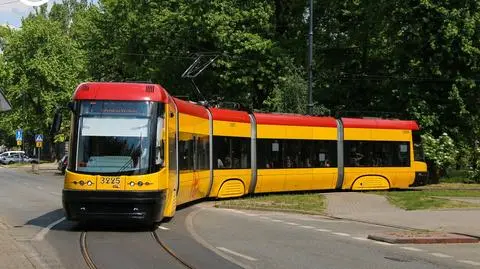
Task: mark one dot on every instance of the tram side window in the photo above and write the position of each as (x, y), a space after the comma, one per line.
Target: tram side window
(325, 153)
(231, 152)
(202, 153)
(296, 153)
(417, 146)
(376, 154)
(269, 153)
(185, 150)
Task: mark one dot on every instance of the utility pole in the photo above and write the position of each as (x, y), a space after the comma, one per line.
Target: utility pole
(310, 56)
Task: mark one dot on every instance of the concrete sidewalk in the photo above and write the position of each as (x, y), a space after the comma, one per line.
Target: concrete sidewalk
(376, 209)
(12, 255)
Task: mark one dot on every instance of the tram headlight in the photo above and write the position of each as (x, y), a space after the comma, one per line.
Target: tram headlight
(140, 183)
(89, 183)
(131, 183)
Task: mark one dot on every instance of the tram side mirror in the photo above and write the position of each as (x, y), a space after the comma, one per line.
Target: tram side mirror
(71, 106)
(57, 122)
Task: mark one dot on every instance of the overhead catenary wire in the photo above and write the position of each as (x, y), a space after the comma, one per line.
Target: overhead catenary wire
(9, 2)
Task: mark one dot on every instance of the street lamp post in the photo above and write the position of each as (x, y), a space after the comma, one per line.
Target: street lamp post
(310, 56)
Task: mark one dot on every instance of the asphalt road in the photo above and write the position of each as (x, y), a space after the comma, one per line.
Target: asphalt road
(206, 237)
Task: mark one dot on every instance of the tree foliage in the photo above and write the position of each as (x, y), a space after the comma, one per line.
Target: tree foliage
(416, 59)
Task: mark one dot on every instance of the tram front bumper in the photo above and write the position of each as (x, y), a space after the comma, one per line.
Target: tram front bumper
(113, 205)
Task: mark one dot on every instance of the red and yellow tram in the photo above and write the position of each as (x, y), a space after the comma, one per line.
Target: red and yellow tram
(136, 152)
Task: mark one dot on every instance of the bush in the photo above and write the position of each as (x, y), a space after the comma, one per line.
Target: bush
(441, 154)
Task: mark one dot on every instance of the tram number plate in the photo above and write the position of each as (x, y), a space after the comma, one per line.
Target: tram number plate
(113, 182)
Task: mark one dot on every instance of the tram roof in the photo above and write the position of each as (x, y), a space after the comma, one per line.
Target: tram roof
(191, 108)
(380, 124)
(294, 120)
(229, 115)
(120, 91)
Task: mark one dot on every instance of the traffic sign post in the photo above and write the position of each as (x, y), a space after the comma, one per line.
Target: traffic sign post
(19, 136)
(39, 144)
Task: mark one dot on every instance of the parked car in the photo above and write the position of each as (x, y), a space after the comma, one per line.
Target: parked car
(62, 164)
(10, 157)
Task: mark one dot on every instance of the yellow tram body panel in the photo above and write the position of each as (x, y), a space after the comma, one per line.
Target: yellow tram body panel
(239, 181)
(229, 183)
(149, 182)
(193, 184)
(230, 128)
(377, 134)
(379, 178)
(296, 179)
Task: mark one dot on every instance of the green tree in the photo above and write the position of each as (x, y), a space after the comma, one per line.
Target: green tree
(44, 65)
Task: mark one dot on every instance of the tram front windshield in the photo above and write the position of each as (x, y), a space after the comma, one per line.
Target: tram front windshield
(115, 137)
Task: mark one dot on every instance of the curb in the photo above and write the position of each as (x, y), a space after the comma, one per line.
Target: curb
(423, 238)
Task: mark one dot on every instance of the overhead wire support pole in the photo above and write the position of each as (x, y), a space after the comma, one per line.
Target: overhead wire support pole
(310, 56)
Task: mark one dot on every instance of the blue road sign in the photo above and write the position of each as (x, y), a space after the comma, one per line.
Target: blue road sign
(39, 138)
(19, 135)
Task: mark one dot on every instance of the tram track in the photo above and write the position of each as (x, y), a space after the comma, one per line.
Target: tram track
(84, 250)
(170, 251)
(91, 264)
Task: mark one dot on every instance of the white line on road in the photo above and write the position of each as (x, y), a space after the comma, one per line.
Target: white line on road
(56, 193)
(469, 262)
(360, 238)
(237, 211)
(265, 218)
(412, 249)
(277, 220)
(250, 215)
(237, 254)
(307, 227)
(292, 223)
(40, 187)
(382, 243)
(163, 228)
(441, 255)
(323, 230)
(44, 231)
(341, 234)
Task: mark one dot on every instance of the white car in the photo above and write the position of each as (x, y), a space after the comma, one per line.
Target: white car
(10, 157)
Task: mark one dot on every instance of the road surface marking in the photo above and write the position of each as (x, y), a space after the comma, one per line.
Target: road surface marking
(39, 187)
(292, 223)
(277, 220)
(382, 243)
(323, 230)
(251, 215)
(237, 211)
(237, 254)
(265, 218)
(163, 228)
(412, 249)
(44, 231)
(56, 193)
(441, 255)
(307, 227)
(469, 262)
(341, 234)
(361, 238)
